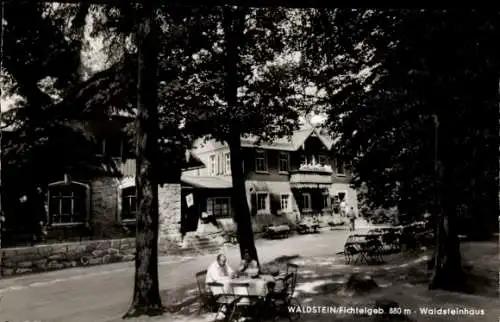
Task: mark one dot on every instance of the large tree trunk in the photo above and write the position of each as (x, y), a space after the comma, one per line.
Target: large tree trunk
(233, 29)
(447, 274)
(239, 200)
(146, 297)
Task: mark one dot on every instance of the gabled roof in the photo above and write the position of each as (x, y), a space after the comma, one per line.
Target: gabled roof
(288, 143)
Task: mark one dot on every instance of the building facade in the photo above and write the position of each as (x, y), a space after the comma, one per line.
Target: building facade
(286, 180)
(98, 200)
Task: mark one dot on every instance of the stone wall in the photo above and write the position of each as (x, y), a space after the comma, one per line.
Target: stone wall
(169, 197)
(17, 261)
(104, 209)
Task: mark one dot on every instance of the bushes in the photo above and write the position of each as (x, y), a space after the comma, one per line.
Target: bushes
(380, 215)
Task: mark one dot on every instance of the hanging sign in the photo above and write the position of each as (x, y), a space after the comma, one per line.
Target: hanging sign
(189, 200)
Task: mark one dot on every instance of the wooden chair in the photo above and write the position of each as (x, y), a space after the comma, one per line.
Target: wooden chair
(354, 253)
(207, 300)
(292, 268)
(225, 302)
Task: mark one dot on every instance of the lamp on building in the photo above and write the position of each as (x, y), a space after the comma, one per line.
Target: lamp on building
(67, 179)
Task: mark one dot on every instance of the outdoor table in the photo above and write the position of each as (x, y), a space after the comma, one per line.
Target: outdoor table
(361, 246)
(308, 227)
(278, 231)
(279, 228)
(258, 286)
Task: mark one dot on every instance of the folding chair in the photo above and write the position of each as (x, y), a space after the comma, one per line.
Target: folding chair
(208, 300)
(290, 268)
(374, 250)
(224, 301)
(246, 306)
(354, 251)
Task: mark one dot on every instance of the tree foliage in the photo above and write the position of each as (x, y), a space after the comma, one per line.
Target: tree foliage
(43, 140)
(386, 73)
(414, 96)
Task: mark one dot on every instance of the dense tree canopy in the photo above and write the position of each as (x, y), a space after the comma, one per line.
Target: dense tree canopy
(43, 139)
(386, 74)
(414, 96)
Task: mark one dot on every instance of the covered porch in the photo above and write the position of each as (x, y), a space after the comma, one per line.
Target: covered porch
(311, 189)
(206, 203)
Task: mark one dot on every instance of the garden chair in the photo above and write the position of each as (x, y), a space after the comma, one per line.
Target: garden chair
(207, 300)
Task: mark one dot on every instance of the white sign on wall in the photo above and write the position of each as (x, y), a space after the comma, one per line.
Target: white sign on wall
(189, 200)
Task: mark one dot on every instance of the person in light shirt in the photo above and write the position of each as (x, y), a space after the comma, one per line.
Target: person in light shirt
(343, 207)
(219, 271)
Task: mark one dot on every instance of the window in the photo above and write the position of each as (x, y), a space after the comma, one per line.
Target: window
(129, 203)
(285, 202)
(306, 201)
(340, 167)
(326, 201)
(262, 201)
(284, 162)
(322, 160)
(67, 204)
(227, 159)
(303, 160)
(219, 207)
(212, 165)
(260, 161)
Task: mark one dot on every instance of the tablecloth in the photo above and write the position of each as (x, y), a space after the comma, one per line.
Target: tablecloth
(258, 286)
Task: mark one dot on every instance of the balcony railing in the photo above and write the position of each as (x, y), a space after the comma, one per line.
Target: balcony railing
(312, 176)
(307, 167)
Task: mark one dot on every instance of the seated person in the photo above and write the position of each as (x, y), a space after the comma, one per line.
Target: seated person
(248, 265)
(219, 271)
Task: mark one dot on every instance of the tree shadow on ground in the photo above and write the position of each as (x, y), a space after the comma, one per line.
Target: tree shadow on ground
(401, 281)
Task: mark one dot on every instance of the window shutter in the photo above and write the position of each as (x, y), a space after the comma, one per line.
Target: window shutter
(253, 204)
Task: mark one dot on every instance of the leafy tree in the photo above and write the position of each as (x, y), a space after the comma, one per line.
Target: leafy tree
(159, 35)
(146, 298)
(39, 124)
(389, 76)
(239, 89)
